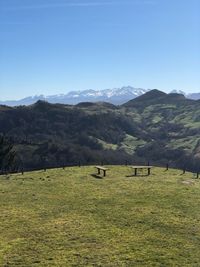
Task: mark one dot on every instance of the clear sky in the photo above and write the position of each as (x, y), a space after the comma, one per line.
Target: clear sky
(55, 46)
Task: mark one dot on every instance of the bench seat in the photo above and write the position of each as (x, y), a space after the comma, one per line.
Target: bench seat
(148, 168)
(100, 168)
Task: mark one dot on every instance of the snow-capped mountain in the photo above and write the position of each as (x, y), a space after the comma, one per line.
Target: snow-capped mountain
(178, 92)
(194, 96)
(115, 96)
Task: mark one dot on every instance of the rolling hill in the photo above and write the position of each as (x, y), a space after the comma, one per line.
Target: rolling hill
(155, 126)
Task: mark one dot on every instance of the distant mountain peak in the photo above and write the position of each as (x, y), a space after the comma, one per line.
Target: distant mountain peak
(180, 92)
(152, 94)
(116, 96)
(176, 95)
(41, 105)
(155, 97)
(147, 97)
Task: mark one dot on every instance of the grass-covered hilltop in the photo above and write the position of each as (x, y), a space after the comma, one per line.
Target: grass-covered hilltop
(69, 217)
(72, 217)
(155, 127)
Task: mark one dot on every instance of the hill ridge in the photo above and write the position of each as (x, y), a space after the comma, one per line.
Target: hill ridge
(116, 96)
(160, 129)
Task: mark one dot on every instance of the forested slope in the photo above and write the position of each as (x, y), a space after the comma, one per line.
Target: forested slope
(156, 126)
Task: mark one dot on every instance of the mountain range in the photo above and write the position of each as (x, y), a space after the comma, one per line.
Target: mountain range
(155, 127)
(116, 96)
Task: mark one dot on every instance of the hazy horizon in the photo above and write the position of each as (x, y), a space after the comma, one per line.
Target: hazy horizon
(60, 94)
(52, 47)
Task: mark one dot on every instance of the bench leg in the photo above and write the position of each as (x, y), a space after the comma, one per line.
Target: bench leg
(104, 173)
(98, 171)
(149, 171)
(135, 171)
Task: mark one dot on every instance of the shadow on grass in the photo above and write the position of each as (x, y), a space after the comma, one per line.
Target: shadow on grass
(138, 175)
(96, 176)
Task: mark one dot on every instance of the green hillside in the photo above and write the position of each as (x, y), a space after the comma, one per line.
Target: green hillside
(70, 217)
(156, 126)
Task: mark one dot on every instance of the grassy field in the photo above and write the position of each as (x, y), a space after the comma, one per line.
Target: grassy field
(72, 218)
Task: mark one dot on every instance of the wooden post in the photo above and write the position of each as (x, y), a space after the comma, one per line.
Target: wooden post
(44, 159)
(149, 171)
(104, 173)
(98, 171)
(197, 175)
(167, 166)
(135, 171)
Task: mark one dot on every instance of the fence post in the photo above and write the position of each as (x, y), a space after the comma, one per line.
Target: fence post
(167, 166)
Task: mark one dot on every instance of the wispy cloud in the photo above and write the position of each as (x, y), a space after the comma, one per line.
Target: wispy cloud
(80, 4)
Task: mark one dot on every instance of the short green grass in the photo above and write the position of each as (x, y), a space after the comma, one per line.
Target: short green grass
(188, 143)
(130, 143)
(71, 218)
(107, 145)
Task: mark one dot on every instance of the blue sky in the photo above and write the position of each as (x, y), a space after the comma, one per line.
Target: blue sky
(55, 46)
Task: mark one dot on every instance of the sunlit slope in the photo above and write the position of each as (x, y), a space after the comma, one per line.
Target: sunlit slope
(155, 127)
(71, 218)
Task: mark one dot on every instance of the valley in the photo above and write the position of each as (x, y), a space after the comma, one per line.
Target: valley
(157, 127)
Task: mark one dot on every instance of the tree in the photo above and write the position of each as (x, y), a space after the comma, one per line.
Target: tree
(7, 154)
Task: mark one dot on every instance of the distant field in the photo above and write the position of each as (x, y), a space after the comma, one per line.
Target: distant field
(71, 218)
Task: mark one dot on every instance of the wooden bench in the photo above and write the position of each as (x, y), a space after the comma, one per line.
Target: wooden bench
(100, 168)
(136, 168)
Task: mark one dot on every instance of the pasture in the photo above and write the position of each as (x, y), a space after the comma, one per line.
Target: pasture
(69, 217)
